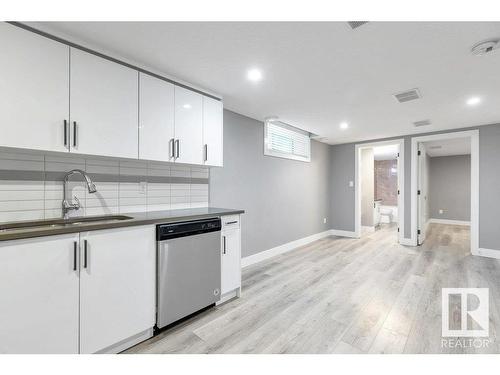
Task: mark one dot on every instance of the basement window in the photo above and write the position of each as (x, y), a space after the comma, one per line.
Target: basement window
(285, 141)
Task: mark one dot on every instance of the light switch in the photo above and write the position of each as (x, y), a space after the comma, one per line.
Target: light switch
(143, 187)
(351, 183)
(440, 212)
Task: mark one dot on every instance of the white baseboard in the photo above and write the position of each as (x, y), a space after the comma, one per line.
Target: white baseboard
(343, 233)
(266, 254)
(489, 253)
(407, 242)
(449, 222)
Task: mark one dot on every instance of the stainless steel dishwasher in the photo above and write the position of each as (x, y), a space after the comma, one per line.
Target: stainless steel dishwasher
(189, 268)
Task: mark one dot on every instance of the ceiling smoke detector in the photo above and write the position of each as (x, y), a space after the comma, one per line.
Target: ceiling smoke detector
(407, 96)
(422, 123)
(356, 24)
(485, 47)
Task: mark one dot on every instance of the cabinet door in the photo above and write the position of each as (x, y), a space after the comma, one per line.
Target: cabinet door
(156, 119)
(34, 88)
(104, 107)
(39, 295)
(231, 260)
(117, 285)
(212, 132)
(188, 126)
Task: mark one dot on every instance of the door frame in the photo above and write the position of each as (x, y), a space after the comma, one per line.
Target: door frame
(473, 135)
(357, 184)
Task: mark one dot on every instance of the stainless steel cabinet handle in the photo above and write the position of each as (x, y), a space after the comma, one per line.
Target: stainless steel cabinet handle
(231, 222)
(75, 246)
(224, 244)
(74, 133)
(177, 148)
(85, 254)
(66, 133)
(171, 147)
(206, 152)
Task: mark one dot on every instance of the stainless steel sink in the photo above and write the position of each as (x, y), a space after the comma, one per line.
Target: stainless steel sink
(60, 223)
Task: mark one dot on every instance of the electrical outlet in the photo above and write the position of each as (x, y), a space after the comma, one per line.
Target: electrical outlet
(324, 220)
(441, 211)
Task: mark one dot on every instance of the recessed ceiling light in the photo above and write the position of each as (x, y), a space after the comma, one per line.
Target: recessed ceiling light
(475, 100)
(254, 75)
(344, 125)
(187, 106)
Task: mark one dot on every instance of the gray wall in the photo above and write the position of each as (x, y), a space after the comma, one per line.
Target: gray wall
(284, 200)
(449, 187)
(489, 187)
(342, 195)
(342, 168)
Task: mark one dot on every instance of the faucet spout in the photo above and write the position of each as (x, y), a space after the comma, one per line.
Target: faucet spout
(68, 205)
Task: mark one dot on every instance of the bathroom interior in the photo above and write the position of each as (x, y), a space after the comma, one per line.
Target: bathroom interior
(379, 187)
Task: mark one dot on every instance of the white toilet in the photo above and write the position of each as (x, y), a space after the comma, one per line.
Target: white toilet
(386, 215)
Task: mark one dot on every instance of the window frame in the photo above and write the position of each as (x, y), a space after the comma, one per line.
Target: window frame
(285, 155)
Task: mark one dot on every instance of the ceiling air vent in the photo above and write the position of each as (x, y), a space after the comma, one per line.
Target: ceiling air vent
(356, 24)
(484, 47)
(407, 96)
(436, 147)
(422, 123)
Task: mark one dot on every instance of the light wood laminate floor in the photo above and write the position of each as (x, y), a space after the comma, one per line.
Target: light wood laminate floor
(342, 295)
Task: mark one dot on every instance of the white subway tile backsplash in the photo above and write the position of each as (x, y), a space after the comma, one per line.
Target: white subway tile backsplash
(17, 195)
(123, 186)
(21, 185)
(21, 215)
(21, 205)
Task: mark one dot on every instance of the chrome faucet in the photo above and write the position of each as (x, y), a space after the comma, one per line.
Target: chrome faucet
(69, 205)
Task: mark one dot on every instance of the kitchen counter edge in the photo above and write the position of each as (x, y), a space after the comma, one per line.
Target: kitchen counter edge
(138, 219)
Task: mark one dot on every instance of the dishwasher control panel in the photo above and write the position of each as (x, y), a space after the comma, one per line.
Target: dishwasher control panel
(187, 228)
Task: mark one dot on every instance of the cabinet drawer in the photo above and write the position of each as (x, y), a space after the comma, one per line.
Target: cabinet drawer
(230, 221)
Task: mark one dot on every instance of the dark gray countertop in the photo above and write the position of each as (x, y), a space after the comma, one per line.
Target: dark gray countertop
(137, 218)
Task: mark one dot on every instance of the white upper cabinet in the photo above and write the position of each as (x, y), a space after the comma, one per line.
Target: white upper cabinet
(34, 87)
(156, 119)
(104, 107)
(212, 132)
(117, 285)
(188, 126)
(58, 98)
(39, 292)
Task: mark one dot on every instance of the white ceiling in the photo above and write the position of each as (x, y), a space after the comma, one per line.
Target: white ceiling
(317, 75)
(448, 147)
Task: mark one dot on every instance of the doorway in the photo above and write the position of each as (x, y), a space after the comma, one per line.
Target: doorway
(445, 190)
(379, 187)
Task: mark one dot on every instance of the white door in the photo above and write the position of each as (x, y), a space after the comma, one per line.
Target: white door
(104, 107)
(156, 119)
(117, 287)
(39, 295)
(231, 260)
(212, 132)
(34, 90)
(188, 126)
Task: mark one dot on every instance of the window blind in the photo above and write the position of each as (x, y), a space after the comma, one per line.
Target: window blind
(283, 140)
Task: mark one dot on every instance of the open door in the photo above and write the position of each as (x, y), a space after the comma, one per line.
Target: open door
(422, 192)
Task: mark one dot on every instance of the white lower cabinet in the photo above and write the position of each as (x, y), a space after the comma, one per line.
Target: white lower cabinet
(39, 295)
(117, 285)
(231, 255)
(86, 292)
